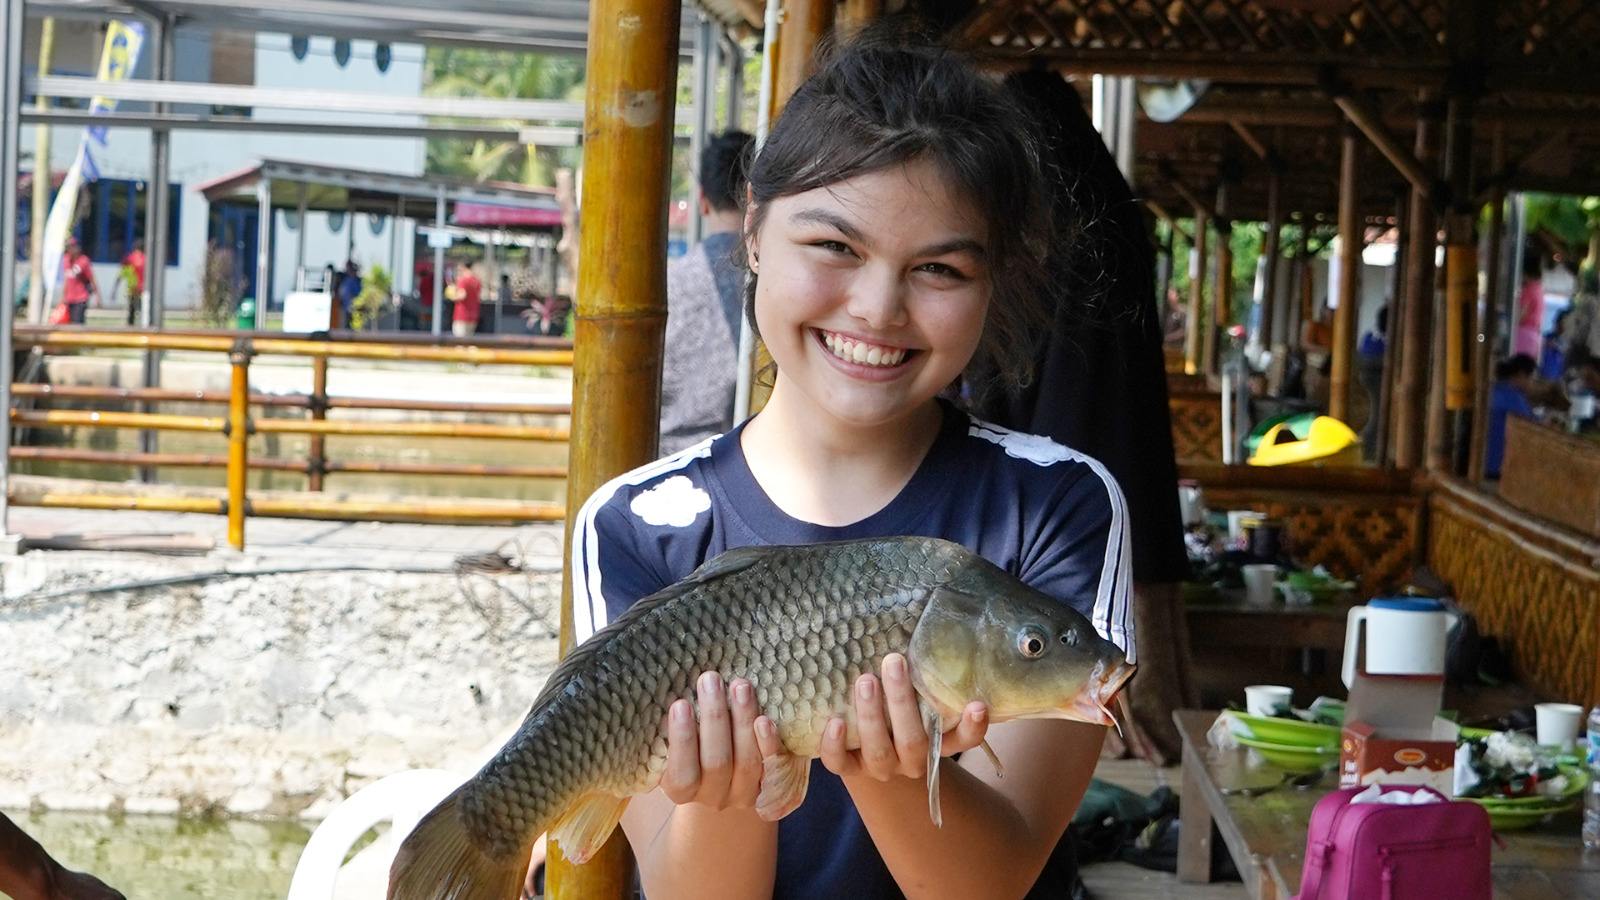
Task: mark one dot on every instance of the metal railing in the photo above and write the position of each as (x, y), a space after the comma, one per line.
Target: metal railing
(237, 425)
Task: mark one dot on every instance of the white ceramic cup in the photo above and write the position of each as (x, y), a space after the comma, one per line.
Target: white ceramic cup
(1267, 699)
(1557, 724)
(1258, 581)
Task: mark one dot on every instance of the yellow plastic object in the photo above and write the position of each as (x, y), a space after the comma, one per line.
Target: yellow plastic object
(1329, 442)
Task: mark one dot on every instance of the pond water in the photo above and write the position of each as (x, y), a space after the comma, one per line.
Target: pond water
(163, 858)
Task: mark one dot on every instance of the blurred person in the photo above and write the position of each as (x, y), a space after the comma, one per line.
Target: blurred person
(132, 278)
(699, 366)
(77, 281)
(1513, 378)
(28, 872)
(1369, 371)
(467, 292)
(1527, 337)
(349, 289)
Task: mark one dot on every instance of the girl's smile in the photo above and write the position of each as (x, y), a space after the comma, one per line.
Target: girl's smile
(872, 294)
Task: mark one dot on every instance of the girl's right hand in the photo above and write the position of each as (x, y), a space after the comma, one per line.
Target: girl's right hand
(717, 761)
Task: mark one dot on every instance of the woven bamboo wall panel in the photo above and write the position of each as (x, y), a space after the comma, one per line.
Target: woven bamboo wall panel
(1196, 426)
(1545, 612)
(1373, 539)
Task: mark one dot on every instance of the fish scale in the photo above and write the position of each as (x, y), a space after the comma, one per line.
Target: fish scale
(801, 624)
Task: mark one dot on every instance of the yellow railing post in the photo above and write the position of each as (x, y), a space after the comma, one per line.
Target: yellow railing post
(238, 432)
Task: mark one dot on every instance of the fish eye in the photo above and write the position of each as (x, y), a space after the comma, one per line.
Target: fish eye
(1031, 642)
(1070, 637)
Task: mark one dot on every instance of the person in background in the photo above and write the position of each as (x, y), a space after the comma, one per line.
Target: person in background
(29, 872)
(699, 368)
(349, 289)
(1530, 308)
(467, 292)
(77, 281)
(1553, 361)
(1369, 370)
(132, 276)
(1508, 397)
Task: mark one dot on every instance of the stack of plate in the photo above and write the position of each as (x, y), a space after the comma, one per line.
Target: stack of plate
(1289, 744)
(1512, 813)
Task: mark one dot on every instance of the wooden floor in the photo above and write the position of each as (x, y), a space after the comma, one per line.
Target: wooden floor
(1123, 881)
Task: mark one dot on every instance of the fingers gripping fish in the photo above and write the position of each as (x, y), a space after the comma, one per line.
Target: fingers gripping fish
(801, 624)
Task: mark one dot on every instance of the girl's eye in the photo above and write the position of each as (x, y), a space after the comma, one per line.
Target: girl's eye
(833, 246)
(945, 270)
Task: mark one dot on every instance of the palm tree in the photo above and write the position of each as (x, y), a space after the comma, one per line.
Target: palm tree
(468, 72)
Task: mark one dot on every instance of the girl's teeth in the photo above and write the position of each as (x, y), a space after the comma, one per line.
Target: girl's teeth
(849, 350)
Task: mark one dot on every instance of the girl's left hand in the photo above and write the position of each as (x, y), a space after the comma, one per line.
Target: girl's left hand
(893, 739)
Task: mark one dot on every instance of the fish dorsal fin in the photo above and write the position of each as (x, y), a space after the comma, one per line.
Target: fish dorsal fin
(584, 827)
(726, 563)
(784, 781)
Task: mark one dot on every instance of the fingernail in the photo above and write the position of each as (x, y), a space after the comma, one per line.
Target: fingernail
(681, 711)
(765, 728)
(867, 687)
(976, 716)
(741, 692)
(711, 683)
(894, 666)
(835, 729)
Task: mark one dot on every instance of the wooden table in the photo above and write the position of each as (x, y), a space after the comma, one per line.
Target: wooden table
(1227, 623)
(1266, 834)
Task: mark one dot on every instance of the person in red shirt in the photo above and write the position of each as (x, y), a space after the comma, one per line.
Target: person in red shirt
(77, 281)
(133, 278)
(467, 292)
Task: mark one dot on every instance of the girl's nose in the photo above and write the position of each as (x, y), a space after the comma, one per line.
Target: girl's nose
(879, 301)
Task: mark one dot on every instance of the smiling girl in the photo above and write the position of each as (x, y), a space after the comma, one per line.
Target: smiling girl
(894, 236)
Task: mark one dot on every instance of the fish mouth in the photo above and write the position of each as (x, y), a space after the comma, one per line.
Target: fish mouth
(1093, 703)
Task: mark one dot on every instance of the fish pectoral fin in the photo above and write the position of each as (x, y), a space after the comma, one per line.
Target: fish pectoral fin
(584, 827)
(999, 770)
(785, 778)
(935, 726)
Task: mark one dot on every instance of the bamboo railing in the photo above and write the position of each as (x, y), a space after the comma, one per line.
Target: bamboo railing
(237, 425)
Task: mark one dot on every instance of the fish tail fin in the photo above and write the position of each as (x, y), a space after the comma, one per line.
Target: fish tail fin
(440, 861)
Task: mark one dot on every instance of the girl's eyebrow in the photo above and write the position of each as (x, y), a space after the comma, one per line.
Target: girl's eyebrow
(831, 219)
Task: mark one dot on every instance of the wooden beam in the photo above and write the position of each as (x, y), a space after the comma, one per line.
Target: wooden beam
(1371, 125)
(1272, 251)
(978, 28)
(1197, 282)
(1250, 140)
(805, 24)
(1488, 315)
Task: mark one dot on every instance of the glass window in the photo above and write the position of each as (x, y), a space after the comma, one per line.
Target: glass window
(114, 219)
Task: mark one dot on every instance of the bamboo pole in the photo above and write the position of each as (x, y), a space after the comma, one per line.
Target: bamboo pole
(805, 23)
(1391, 346)
(43, 179)
(1192, 343)
(1271, 251)
(481, 430)
(216, 461)
(621, 304)
(1222, 285)
(1488, 315)
(302, 401)
(1411, 396)
(1451, 403)
(1349, 262)
(462, 353)
(238, 442)
(96, 419)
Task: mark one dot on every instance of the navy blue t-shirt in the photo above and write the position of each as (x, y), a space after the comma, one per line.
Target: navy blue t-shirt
(1043, 512)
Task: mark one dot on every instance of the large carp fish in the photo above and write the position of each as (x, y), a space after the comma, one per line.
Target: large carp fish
(801, 624)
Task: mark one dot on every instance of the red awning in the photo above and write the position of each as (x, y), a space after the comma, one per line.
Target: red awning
(493, 214)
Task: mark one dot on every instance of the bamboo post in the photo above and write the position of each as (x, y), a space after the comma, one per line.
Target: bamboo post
(1222, 285)
(1350, 244)
(316, 456)
(1411, 396)
(1391, 346)
(1488, 315)
(1271, 251)
(238, 433)
(805, 23)
(1453, 363)
(1192, 344)
(620, 305)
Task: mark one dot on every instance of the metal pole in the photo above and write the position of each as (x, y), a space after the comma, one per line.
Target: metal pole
(10, 138)
(157, 218)
(264, 241)
(316, 457)
(438, 264)
(41, 164)
(704, 91)
(733, 58)
(300, 239)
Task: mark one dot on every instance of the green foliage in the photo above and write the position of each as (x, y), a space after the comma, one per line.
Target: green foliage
(376, 288)
(219, 287)
(472, 72)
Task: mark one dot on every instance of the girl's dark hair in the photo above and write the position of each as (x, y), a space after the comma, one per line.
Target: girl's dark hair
(888, 97)
(1521, 364)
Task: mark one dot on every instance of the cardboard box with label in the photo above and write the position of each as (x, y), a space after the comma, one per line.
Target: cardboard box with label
(1393, 734)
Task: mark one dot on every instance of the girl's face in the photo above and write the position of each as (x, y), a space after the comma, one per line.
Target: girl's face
(871, 292)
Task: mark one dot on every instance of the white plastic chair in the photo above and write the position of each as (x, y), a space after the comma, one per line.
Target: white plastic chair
(402, 798)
